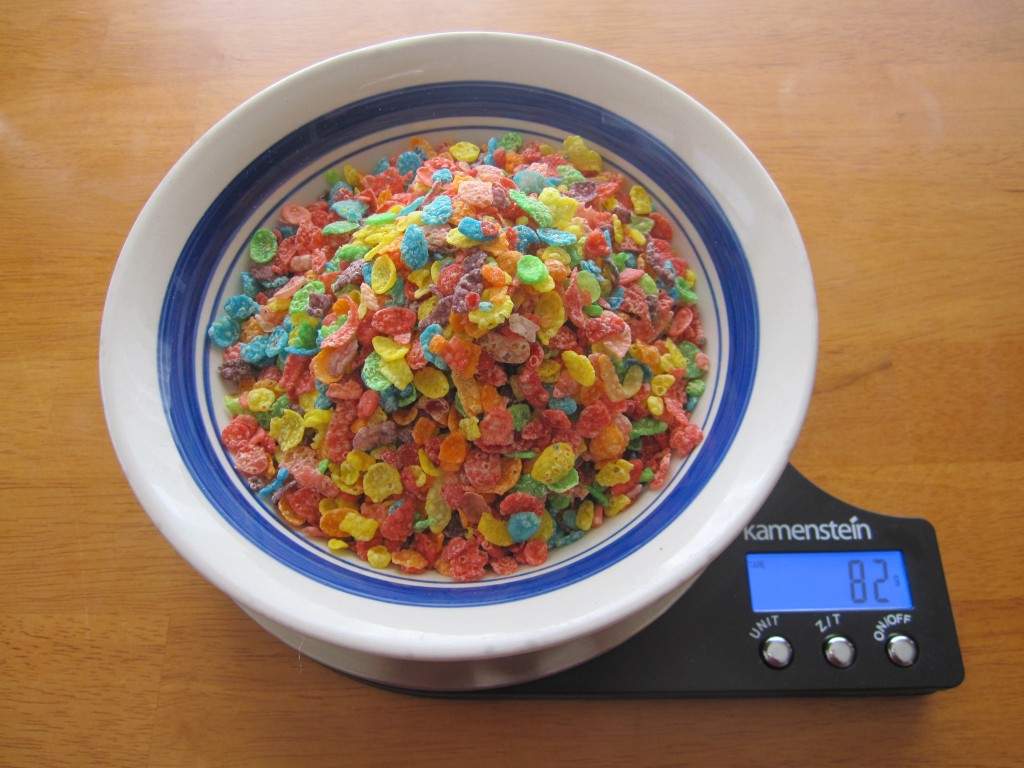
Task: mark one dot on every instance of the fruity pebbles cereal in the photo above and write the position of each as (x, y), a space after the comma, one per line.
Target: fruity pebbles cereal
(464, 358)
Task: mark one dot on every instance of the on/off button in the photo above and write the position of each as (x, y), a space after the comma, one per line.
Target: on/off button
(902, 650)
(777, 652)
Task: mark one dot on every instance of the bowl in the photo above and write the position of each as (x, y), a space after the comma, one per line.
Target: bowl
(164, 402)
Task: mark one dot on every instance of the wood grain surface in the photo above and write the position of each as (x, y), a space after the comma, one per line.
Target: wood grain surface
(894, 130)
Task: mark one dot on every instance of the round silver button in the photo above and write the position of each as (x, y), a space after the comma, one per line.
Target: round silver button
(776, 652)
(839, 651)
(902, 650)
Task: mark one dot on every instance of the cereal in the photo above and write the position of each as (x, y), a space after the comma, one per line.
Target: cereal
(467, 357)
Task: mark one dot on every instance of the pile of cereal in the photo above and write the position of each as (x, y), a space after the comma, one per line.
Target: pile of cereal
(463, 359)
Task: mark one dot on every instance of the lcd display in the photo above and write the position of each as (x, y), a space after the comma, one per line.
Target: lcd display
(828, 581)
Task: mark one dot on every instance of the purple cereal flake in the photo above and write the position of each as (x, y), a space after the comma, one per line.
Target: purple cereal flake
(319, 305)
(652, 305)
(500, 197)
(437, 237)
(256, 484)
(237, 370)
(262, 272)
(374, 435)
(289, 485)
(625, 215)
(584, 191)
(474, 261)
(353, 273)
(436, 408)
(440, 313)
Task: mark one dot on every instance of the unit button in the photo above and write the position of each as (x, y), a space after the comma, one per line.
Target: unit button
(902, 650)
(839, 651)
(776, 652)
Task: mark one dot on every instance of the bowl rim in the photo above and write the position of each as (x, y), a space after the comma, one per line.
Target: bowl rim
(181, 529)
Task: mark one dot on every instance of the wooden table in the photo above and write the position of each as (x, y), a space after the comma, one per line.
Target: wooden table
(896, 133)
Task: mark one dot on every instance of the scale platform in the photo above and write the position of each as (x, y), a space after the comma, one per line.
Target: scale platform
(815, 597)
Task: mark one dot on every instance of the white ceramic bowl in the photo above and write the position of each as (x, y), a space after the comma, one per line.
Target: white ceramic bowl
(163, 399)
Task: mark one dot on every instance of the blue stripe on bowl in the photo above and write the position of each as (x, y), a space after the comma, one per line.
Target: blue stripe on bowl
(182, 326)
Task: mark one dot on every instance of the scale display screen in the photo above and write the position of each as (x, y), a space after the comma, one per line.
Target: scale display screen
(828, 581)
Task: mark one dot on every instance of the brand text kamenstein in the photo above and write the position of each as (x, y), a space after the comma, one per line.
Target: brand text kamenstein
(833, 530)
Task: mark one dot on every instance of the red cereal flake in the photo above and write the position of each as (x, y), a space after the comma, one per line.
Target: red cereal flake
(483, 470)
(397, 526)
(239, 431)
(391, 320)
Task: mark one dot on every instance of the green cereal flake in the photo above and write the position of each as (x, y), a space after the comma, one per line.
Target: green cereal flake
(340, 227)
(531, 270)
(558, 502)
(647, 285)
(570, 175)
(596, 493)
(300, 301)
(641, 223)
(511, 141)
(280, 406)
(351, 252)
(520, 415)
(686, 293)
(263, 246)
(528, 485)
(565, 483)
(695, 387)
(645, 427)
(532, 207)
(379, 219)
(372, 376)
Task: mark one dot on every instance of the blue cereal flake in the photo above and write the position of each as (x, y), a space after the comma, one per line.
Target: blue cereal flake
(522, 525)
(488, 158)
(559, 539)
(255, 352)
(530, 182)
(566, 405)
(616, 296)
(408, 162)
(557, 237)
(276, 483)
(428, 333)
(350, 210)
(224, 332)
(389, 400)
(414, 205)
(414, 249)
(276, 341)
(240, 307)
(438, 211)
(474, 229)
(339, 187)
(527, 237)
(250, 285)
(382, 165)
(442, 175)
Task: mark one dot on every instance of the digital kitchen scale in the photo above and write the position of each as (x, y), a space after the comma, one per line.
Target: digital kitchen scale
(815, 597)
